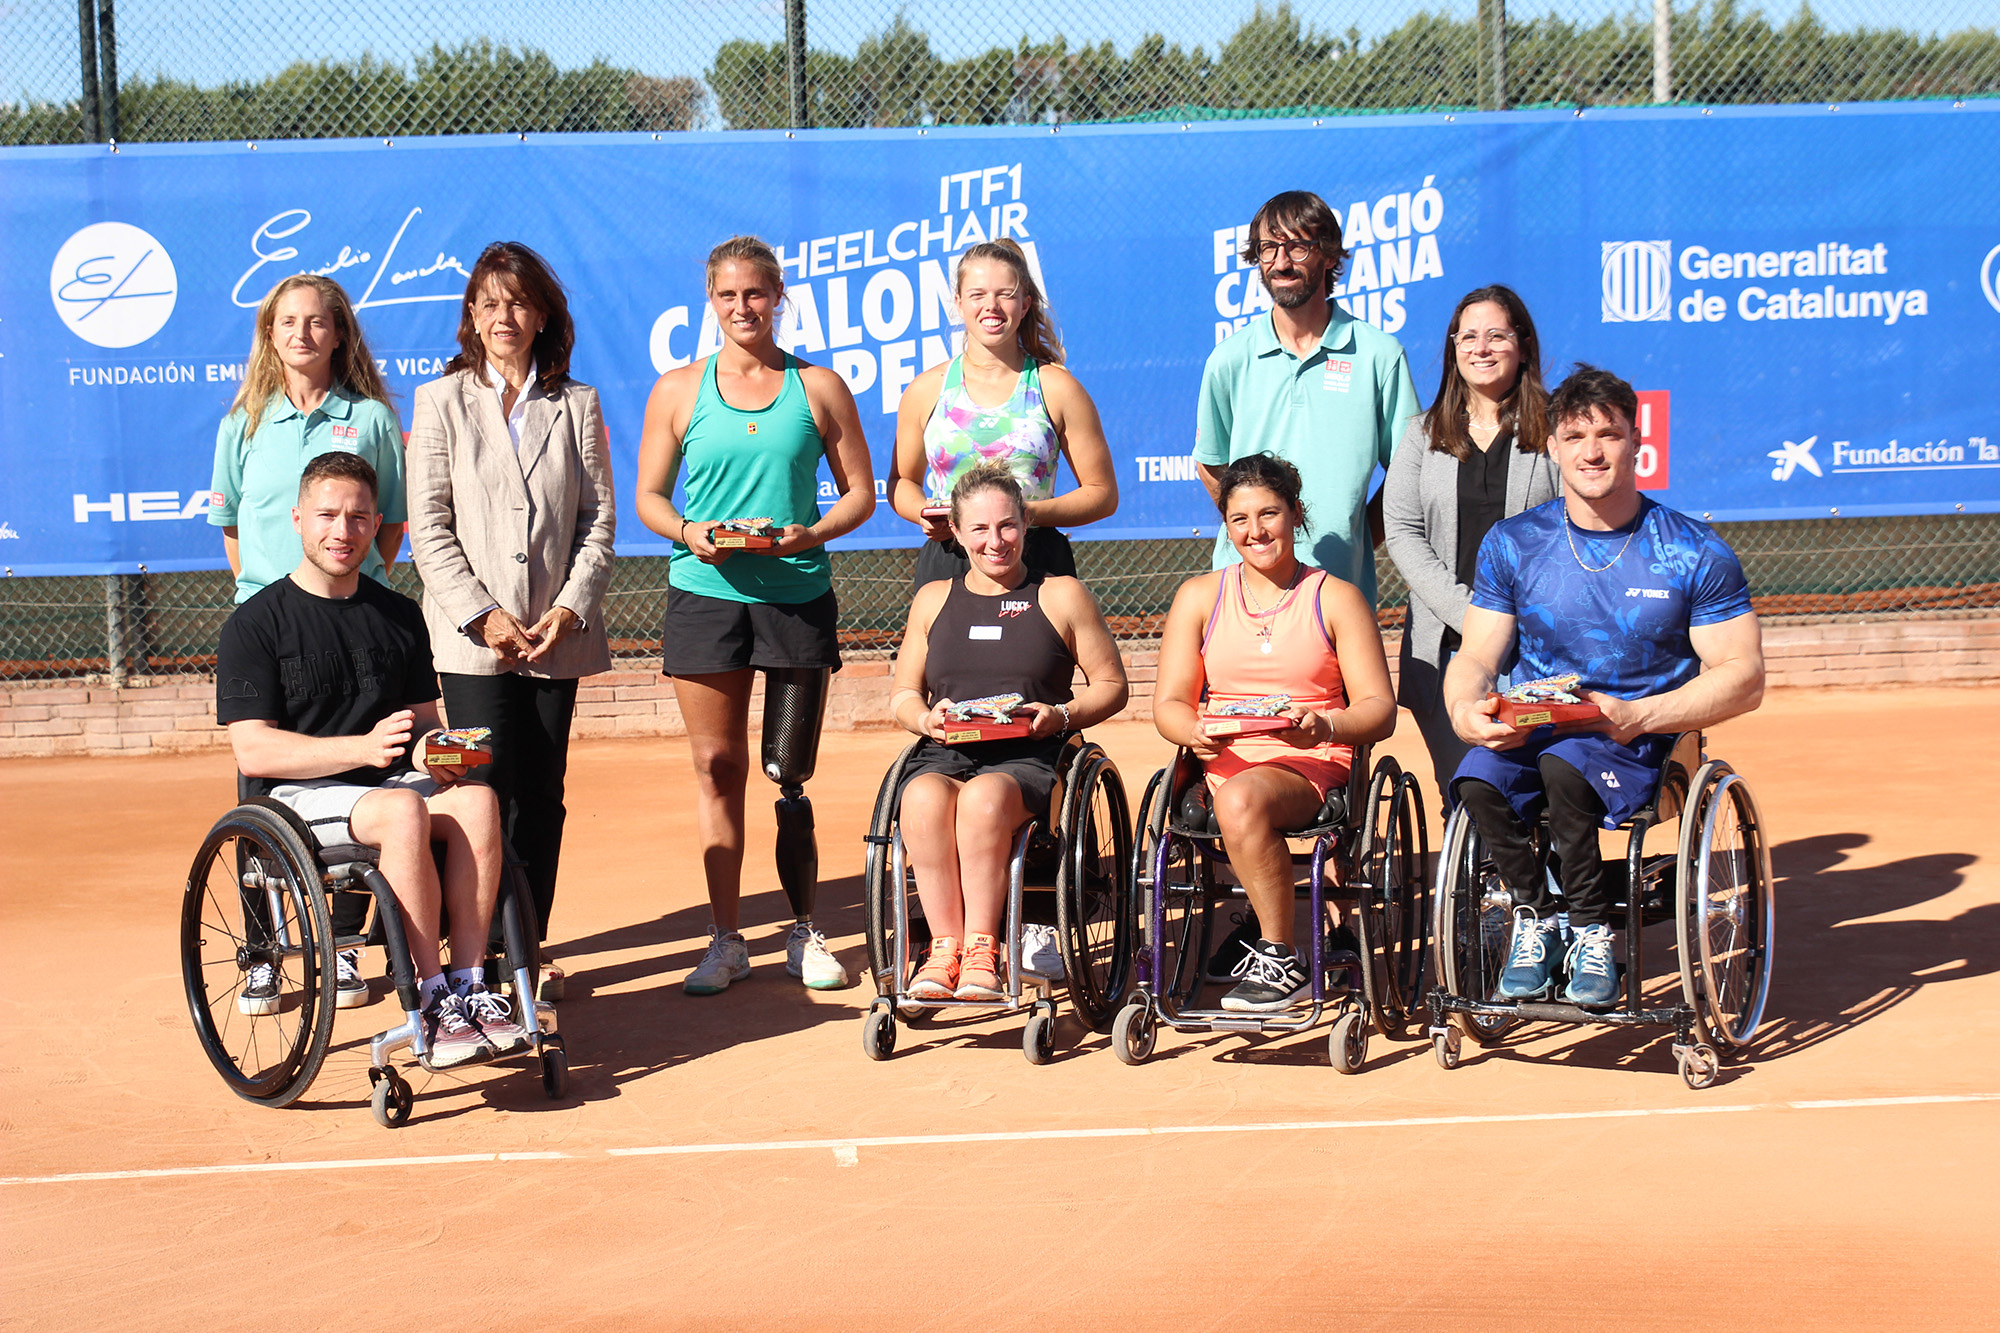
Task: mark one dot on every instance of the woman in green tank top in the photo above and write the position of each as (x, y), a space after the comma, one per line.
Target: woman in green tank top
(744, 432)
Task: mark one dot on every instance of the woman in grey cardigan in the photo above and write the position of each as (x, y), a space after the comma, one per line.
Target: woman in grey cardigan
(1479, 455)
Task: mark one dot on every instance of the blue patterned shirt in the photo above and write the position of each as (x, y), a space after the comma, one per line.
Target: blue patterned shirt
(1623, 623)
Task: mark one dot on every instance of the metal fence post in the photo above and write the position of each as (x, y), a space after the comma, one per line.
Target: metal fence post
(114, 627)
(107, 55)
(1491, 55)
(1663, 59)
(795, 59)
(86, 49)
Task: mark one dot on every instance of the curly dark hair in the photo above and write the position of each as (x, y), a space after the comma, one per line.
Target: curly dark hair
(1589, 390)
(1270, 472)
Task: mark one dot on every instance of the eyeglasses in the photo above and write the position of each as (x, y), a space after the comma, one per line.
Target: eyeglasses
(1471, 341)
(1294, 250)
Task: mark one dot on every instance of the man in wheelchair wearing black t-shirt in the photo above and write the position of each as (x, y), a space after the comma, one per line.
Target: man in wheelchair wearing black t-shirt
(325, 682)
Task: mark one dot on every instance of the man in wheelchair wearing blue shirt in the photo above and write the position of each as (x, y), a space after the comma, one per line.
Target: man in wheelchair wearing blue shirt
(1650, 608)
(325, 682)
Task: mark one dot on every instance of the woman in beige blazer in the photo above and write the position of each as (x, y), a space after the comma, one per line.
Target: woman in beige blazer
(511, 519)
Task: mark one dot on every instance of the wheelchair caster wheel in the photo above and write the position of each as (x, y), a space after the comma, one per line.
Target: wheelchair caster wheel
(555, 1072)
(1133, 1033)
(1347, 1045)
(878, 1034)
(1038, 1039)
(391, 1101)
(1699, 1066)
(1444, 1045)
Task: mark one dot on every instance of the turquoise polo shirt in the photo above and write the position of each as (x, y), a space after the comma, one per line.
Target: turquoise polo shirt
(1335, 415)
(257, 480)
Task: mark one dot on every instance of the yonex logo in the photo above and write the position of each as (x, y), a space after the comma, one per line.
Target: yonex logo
(1638, 280)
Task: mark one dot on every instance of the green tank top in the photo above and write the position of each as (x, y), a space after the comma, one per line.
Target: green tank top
(749, 465)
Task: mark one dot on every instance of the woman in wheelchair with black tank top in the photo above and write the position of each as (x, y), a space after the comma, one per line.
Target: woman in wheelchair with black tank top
(1271, 625)
(995, 629)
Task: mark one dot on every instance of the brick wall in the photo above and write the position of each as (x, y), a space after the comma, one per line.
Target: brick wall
(178, 713)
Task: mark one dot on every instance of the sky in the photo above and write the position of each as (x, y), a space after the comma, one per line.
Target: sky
(215, 41)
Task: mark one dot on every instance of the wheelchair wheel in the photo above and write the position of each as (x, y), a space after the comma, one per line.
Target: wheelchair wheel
(1165, 866)
(1394, 929)
(1094, 916)
(1473, 916)
(254, 900)
(391, 1101)
(878, 866)
(1726, 910)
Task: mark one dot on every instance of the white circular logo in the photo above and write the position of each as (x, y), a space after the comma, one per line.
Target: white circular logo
(1989, 280)
(113, 284)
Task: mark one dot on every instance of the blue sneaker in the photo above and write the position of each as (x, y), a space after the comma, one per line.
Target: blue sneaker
(1593, 972)
(1531, 958)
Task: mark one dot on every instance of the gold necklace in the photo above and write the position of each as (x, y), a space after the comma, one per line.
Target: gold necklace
(1596, 569)
(1257, 611)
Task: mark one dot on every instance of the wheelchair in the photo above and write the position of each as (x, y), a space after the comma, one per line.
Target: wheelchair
(258, 893)
(1715, 887)
(1067, 868)
(1369, 845)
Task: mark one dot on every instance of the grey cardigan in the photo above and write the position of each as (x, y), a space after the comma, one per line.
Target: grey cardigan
(1420, 515)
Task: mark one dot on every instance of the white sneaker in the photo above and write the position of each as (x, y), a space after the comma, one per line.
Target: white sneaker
(351, 992)
(1041, 956)
(807, 958)
(727, 960)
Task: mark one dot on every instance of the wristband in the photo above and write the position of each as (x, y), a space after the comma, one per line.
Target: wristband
(1065, 713)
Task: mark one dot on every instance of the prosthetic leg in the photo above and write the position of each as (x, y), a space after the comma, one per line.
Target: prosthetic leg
(794, 708)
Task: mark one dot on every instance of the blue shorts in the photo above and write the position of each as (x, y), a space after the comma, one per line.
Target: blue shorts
(1623, 776)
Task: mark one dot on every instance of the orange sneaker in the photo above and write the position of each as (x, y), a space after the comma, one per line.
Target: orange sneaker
(979, 973)
(937, 979)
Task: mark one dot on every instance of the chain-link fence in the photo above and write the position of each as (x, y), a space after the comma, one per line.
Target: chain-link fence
(168, 70)
(120, 627)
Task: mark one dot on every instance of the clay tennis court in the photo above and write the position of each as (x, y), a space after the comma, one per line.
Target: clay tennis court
(736, 1162)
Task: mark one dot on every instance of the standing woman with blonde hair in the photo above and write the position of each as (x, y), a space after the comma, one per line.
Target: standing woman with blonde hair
(744, 431)
(511, 522)
(1005, 399)
(1479, 455)
(309, 388)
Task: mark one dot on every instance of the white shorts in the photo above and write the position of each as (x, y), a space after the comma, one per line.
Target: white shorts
(325, 804)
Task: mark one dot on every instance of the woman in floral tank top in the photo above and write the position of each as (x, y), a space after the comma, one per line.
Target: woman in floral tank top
(1005, 399)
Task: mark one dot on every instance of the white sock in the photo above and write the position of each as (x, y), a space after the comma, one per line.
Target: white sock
(463, 979)
(430, 988)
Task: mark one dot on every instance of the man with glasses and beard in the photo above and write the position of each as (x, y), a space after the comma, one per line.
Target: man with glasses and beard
(1315, 386)
(1310, 383)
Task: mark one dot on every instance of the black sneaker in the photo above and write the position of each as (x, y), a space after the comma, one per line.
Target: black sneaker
(1226, 963)
(259, 995)
(1273, 979)
(351, 991)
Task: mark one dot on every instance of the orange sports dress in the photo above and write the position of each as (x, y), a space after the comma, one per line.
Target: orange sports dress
(1248, 654)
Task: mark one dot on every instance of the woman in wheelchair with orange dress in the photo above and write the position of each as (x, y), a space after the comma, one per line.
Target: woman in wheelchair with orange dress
(995, 629)
(1265, 626)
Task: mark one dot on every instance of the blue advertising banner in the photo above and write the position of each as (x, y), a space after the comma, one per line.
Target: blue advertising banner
(1805, 295)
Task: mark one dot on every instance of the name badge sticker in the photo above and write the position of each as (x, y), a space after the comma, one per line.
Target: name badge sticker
(982, 631)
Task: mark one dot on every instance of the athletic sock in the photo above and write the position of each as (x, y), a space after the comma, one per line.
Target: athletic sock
(463, 979)
(430, 988)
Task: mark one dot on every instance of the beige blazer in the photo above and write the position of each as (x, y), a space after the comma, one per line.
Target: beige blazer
(528, 529)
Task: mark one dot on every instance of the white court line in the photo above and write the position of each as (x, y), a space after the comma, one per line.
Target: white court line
(846, 1149)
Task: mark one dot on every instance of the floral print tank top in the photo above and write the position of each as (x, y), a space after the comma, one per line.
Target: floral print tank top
(961, 435)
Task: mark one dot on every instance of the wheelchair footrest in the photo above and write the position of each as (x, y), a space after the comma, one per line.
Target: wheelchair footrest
(1556, 1011)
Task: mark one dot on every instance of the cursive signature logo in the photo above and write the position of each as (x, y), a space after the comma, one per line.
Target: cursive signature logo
(113, 284)
(268, 244)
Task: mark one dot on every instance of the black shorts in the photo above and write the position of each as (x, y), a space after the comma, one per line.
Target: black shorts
(704, 636)
(1046, 552)
(1031, 763)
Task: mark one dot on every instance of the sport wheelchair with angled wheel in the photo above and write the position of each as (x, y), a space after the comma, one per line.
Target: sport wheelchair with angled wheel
(1369, 846)
(257, 895)
(1715, 887)
(1067, 869)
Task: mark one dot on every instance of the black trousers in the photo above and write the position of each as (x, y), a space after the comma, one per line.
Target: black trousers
(1575, 813)
(530, 719)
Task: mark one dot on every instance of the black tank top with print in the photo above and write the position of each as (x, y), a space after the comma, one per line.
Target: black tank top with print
(997, 645)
